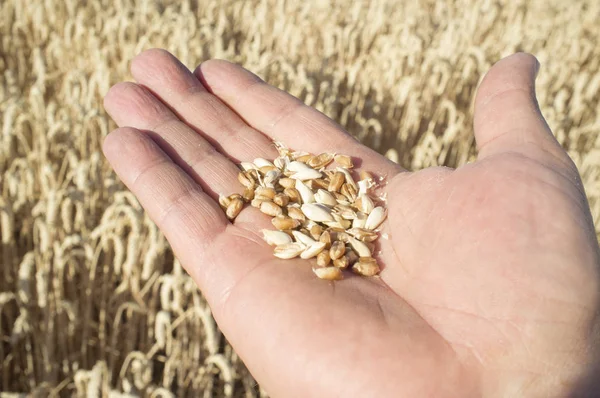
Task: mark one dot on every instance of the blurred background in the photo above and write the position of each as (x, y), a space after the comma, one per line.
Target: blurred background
(92, 301)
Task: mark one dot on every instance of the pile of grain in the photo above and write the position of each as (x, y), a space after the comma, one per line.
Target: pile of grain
(91, 298)
(318, 211)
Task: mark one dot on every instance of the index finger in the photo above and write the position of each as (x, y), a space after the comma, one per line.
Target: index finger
(284, 117)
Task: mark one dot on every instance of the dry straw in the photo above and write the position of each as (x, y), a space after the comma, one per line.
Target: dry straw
(91, 296)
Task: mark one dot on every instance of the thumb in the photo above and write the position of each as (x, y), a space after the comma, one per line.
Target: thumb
(507, 116)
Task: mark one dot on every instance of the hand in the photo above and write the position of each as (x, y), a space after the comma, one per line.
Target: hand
(491, 278)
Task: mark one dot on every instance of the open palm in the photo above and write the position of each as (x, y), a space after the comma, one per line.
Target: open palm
(490, 279)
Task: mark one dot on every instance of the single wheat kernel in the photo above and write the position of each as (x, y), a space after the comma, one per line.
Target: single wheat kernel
(320, 183)
(324, 197)
(246, 179)
(344, 161)
(275, 238)
(281, 200)
(303, 238)
(305, 192)
(328, 273)
(325, 238)
(293, 194)
(349, 192)
(234, 208)
(336, 182)
(313, 250)
(248, 194)
(321, 160)
(364, 203)
(289, 250)
(337, 250)
(282, 223)
(366, 266)
(323, 259)
(317, 212)
(296, 213)
(341, 262)
(316, 231)
(359, 247)
(265, 192)
(375, 218)
(224, 201)
(287, 182)
(270, 209)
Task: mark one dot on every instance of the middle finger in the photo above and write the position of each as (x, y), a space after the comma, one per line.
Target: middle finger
(168, 79)
(132, 105)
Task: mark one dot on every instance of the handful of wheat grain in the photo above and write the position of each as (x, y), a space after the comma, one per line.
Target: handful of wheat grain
(317, 211)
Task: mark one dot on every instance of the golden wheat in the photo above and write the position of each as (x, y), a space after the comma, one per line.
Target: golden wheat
(92, 301)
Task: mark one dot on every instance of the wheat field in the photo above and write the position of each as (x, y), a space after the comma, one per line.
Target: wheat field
(92, 301)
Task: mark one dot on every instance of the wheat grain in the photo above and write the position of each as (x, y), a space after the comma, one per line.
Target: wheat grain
(313, 250)
(319, 161)
(344, 161)
(234, 208)
(375, 218)
(317, 212)
(336, 182)
(289, 250)
(337, 250)
(305, 192)
(276, 238)
(303, 238)
(329, 273)
(366, 266)
(271, 209)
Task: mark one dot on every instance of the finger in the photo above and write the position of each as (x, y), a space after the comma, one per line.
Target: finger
(166, 77)
(507, 115)
(283, 117)
(132, 105)
(192, 222)
(172, 199)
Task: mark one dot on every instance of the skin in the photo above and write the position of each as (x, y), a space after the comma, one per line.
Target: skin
(490, 284)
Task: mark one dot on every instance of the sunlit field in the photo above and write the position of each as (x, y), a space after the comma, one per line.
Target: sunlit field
(92, 301)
